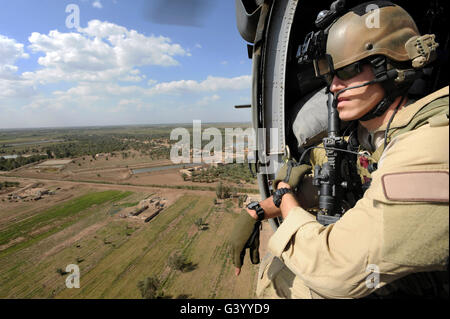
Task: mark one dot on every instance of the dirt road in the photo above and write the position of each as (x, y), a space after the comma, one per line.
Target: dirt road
(115, 186)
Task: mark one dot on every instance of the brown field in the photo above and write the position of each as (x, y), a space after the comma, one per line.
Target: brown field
(114, 253)
(113, 170)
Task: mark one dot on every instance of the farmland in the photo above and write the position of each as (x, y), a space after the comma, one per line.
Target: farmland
(114, 254)
(89, 211)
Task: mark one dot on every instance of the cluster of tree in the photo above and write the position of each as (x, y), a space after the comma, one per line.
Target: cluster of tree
(177, 261)
(153, 142)
(150, 288)
(7, 184)
(61, 272)
(13, 163)
(159, 152)
(223, 191)
(201, 177)
(4, 150)
(81, 145)
(235, 173)
(200, 223)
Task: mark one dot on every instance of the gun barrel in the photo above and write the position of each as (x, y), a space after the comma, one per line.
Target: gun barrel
(333, 116)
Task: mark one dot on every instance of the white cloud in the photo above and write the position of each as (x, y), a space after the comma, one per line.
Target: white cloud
(98, 59)
(133, 92)
(10, 52)
(133, 48)
(59, 100)
(211, 84)
(97, 4)
(16, 88)
(100, 90)
(91, 97)
(12, 85)
(102, 51)
(207, 100)
(127, 104)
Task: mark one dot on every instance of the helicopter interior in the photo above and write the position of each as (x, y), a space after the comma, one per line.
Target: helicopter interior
(306, 112)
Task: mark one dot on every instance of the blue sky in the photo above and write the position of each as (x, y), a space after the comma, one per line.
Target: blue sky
(126, 63)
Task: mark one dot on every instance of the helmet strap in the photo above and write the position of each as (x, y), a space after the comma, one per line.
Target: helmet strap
(387, 80)
(380, 108)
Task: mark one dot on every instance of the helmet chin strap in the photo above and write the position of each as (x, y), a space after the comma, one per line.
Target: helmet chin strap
(380, 108)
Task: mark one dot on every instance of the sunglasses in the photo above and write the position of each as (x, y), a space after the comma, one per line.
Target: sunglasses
(349, 71)
(324, 68)
(345, 73)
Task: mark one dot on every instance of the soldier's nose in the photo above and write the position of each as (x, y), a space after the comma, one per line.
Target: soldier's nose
(336, 85)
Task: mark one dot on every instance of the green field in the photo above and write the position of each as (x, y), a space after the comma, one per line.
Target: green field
(59, 217)
(116, 254)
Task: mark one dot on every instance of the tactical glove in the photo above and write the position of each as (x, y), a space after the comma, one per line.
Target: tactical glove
(245, 235)
(291, 173)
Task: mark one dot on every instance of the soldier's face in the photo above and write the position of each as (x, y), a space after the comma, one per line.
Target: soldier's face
(354, 103)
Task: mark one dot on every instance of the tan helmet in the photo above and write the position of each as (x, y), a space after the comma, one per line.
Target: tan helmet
(368, 30)
(384, 35)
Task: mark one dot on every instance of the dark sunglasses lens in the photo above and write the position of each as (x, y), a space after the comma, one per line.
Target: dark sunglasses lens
(349, 71)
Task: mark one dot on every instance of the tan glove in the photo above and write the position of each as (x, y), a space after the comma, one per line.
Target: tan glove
(245, 235)
(291, 173)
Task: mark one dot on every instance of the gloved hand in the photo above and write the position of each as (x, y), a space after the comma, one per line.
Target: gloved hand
(245, 235)
(291, 173)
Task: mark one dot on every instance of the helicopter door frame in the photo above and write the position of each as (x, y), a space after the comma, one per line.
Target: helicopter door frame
(270, 54)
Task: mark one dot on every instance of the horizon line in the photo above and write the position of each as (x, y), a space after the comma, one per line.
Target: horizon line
(117, 125)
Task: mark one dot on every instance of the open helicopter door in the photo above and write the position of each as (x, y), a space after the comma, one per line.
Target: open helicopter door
(268, 103)
(289, 110)
(268, 26)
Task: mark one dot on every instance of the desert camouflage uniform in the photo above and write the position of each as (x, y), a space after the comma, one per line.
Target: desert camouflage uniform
(399, 228)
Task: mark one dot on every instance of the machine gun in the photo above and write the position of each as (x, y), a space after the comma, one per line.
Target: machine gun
(339, 184)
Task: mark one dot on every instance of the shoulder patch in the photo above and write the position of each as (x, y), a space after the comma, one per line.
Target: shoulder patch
(424, 186)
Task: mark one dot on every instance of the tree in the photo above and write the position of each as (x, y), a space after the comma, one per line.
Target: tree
(199, 223)
(219, 190)
(177, 261)
(226, 192)
(241, 201)
(150, 288)
(61, 271)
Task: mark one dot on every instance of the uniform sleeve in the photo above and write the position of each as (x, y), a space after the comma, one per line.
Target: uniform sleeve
(339, 260)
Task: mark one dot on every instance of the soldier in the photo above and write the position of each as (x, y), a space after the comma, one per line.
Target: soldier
(394, 241)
